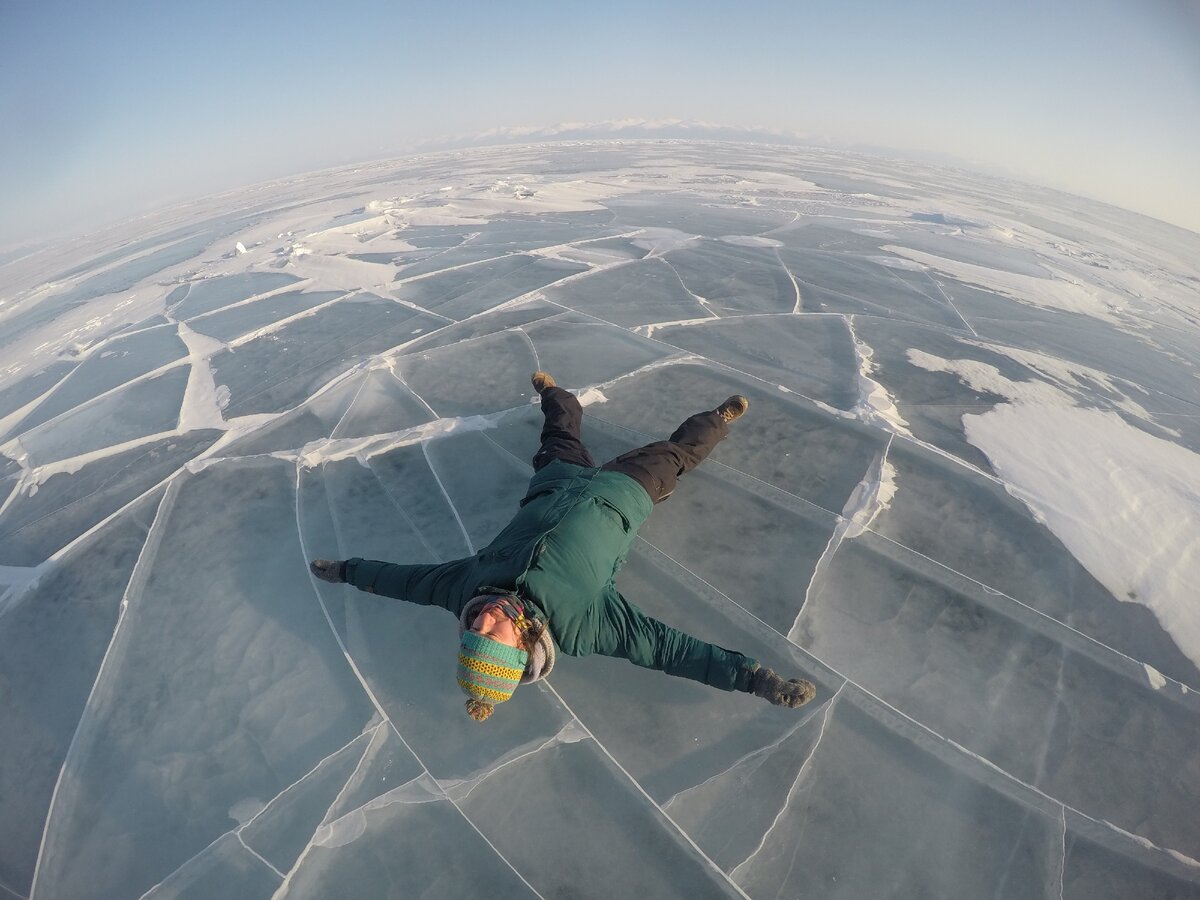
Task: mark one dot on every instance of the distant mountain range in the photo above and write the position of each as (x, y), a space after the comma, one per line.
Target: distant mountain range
(681, 129)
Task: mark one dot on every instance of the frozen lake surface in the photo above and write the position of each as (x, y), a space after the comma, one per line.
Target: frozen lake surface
(965, 503)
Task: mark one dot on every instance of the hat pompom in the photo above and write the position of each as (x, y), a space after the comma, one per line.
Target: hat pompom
(478, 710)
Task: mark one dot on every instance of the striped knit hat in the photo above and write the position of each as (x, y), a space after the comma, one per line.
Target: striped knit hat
(488, 671)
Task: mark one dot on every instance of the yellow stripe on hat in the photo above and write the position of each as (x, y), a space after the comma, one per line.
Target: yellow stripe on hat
(489, 668)
(480, 691)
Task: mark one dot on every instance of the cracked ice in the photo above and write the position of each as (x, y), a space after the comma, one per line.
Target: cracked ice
(962, 503)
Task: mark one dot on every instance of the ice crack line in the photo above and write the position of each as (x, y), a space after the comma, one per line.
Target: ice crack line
(704, 303)
(422, 309)
(210, 845)
(1053, 628)
(257, 855)
(352, 824)
(109, 394)
(391, 364)
(532, 349)
(292, 287)
(637, 785)
(25, 578)
(555, 251)
(795, 784)
(918, 726)
(136, 579)
(377, 739)
(466, 265)
(934, 300)
(295, 784)
(795, 284)
(880, 417)
(760, 751)
(366, 687)
(237, 832)
(1062, 864)
(19, 580)
(312, 840)
(875, 405)
(397, 349)
(648, 329)
(324, 450)
(433, 554)
(406, 351)
(1054, 712)
(362, 385)
(537, 294)
(462, 789)
(279, 324)
(869, 498)
(942, 291)
(454, 509)
(346, 352)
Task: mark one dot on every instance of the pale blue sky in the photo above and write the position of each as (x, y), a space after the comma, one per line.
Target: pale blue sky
(108, 109)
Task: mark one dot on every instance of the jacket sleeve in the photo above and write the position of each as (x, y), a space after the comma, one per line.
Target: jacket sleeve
(438, 584)
(645, 641)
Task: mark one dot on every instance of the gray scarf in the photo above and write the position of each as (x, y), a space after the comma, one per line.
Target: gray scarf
(541, 658)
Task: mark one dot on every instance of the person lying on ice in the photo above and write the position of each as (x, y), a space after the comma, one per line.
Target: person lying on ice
(546, 581)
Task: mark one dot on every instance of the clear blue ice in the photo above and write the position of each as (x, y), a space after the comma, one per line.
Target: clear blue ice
(187, 713)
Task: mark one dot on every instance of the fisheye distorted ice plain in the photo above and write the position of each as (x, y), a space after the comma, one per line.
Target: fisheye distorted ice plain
(963, 503)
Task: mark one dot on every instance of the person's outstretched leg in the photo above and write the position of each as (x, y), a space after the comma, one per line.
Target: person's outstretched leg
(560, 432)
(657, 466)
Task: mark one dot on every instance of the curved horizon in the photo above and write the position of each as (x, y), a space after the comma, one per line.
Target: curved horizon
(520, 136)
(113, 110)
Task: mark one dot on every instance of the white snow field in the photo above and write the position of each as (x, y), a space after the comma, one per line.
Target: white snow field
(965, 502)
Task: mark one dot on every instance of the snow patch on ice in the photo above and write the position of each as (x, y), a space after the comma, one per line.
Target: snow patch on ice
(1183, 858)
(894, 262)
(479, 203)
(572, 733)
(323, 450)
(870, 497)
(1136, 838)
(1060, 292)
(592, 395)
(648, 330)
(986, 378)
(662, 240)
(1125, 503)
(203, 399)
(750, 240)
(1071, 376)
(1157, 681)
(245, 810)
(875, 405)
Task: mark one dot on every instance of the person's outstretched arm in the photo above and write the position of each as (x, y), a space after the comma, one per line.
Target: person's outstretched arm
(436, 584)
(630, 634)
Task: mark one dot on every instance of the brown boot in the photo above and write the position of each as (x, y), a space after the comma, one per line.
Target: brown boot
(733, 408)
(541, 381)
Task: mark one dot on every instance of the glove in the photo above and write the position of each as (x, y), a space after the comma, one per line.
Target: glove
(792, 694)
(331, 570)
